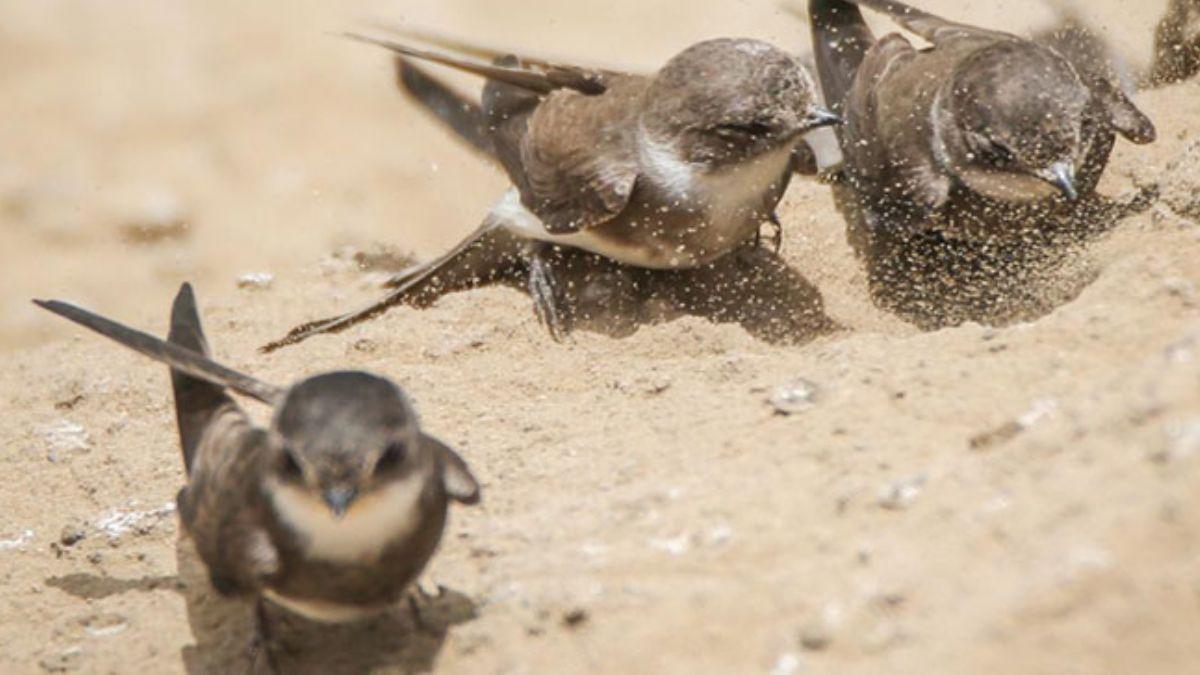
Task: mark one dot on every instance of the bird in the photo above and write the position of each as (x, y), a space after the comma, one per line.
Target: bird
(669, 171)
(958, 156)
(331, 512)
(1176, 43)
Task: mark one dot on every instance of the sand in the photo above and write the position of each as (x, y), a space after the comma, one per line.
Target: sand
(1023, 498)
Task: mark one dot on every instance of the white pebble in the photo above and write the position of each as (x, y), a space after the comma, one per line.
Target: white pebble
(256, 281)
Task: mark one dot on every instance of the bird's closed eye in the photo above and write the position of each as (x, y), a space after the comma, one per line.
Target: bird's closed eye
(743, 129)
(393, 455)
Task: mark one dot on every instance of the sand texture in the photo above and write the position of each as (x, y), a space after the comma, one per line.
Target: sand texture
(1022, 498)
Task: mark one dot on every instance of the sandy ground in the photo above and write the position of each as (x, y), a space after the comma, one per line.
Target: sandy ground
(997, 500)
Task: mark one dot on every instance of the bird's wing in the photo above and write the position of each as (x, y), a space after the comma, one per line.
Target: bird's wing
(222, 507)
(1096, 64)
(534, 75)
(198, 402)
(577, 159)
(492, 55)
(561, 131)
(462, 116)
(888, 168)
(931, 27)
(179, 358)
(459, 483)
(841, 40)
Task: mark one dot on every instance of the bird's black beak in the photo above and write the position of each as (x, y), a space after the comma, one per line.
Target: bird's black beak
(339, 499)
(1062, 176)
(820, 117)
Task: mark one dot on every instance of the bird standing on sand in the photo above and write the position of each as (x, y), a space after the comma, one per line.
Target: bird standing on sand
(331, 512)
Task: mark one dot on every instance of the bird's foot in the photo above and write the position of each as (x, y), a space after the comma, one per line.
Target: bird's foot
(548, 298)
(261, 651)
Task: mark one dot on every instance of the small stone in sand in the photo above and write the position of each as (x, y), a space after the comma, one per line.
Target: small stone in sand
(72, 534)
(575, 617)
(900, 494)
(794, 397)
(256, 281)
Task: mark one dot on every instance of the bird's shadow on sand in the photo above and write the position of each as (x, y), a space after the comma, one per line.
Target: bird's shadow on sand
(752, 287)
(224, 629)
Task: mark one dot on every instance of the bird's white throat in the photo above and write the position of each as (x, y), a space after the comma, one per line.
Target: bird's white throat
(721, 193)
(372, 522)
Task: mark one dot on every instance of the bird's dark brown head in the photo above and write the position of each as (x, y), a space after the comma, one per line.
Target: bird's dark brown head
(340, 436)
(1016, 113)
(726, 100)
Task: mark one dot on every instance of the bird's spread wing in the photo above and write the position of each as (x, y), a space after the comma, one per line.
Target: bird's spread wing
(492, 55)
(561, 131)
(537, 76)
(182, 359)
(930, 27)
(462, 116)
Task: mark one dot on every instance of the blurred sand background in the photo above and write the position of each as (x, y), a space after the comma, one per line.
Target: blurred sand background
(998, 500)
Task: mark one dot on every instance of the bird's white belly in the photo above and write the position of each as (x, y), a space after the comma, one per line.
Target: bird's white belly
(512, 215)
(728, 200)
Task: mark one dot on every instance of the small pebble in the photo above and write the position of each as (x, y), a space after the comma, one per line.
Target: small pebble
(18, 542)
(786, 664)
(64, 436)
(816, 635)
(256, 281)
(575, 617)
(900, 494)
(794, 397)
(154, 217)
(72, 534)
(675, 545)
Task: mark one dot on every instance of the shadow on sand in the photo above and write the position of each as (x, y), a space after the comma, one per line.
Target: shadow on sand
(224, 629)
(752, 287)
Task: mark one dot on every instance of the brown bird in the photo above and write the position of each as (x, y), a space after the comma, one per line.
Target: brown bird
(665, 172)
(957, 155)
(1177, 43)
(331, 512)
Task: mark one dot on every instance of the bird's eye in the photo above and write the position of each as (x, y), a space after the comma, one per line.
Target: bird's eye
(291, 467)
(393, 455)
(743, 129)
